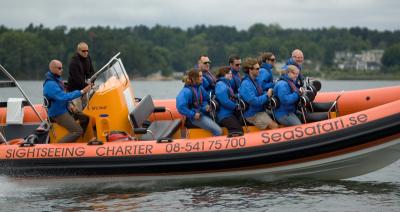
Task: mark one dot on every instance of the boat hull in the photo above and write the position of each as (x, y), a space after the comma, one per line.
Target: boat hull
(344, 153)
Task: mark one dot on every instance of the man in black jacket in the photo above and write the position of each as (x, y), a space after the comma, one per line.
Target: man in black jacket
(80, 70)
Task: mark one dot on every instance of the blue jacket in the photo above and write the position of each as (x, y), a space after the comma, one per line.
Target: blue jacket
(187, 104)
(226, 98)
(53, 90)
(235, 81)
(256, 98)
(299, 82)
(287, 97)
(265, 78)
(209, 82)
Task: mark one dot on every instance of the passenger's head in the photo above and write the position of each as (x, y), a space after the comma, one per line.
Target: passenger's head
(251, 67)
(83, 49)
(267, 57)
(193, 77)
(298, 56)
(204, 63)
(293, 72)
(235, 62)
(56, 67)
(225, 71)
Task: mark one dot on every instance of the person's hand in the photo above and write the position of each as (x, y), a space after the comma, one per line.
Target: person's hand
(238, 107)
(72, 108)
(197, 116)
(301, 89)
(86, 89)
(269, 92)
(208, 108)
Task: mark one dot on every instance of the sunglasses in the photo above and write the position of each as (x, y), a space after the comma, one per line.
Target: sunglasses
(271, 59)
(255, 69)
(59, 68)
(237, 65)
(207, 62)
(84, 51)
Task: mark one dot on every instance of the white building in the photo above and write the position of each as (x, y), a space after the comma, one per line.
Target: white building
(366, 60)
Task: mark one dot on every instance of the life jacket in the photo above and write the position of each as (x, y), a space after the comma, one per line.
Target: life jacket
(210, 78)
(197, 100)
(292, 85)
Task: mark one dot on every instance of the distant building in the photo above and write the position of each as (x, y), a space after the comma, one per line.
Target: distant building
(366, 60)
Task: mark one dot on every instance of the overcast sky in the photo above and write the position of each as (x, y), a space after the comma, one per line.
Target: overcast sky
(373, 14)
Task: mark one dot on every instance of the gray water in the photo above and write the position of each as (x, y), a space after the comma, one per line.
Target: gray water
(377, 191)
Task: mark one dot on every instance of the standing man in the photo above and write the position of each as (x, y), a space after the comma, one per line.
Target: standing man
(209, 80)
(54, 91)
(80, 70)
(297, 60)
(235, 64)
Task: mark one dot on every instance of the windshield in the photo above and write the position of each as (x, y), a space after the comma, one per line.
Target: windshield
(112, 76)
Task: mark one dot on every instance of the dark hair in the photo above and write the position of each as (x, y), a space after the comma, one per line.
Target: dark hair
(223, 70)
(264, 56)
(248, 64)
(203, 55)
(233, 58)
(191, 76)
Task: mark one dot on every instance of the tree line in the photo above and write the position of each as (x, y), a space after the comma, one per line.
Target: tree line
(147, 50)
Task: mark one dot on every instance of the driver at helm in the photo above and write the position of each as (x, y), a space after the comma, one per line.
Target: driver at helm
(59, 108)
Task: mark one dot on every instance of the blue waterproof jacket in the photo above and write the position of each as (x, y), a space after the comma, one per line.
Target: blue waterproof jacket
(299, 82)
(265, 78)
(192, 99)
(226, 98)
(53, 90)
(287, 97)
(256, 98)
(235, 81)
(209, 82)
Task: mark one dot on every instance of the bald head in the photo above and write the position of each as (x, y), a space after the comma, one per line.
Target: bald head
(298, 56)
(55, 67)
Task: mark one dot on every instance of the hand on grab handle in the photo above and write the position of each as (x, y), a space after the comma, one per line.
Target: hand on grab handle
(208, 108)
(269, 92)
(86, 89)
(301, 90)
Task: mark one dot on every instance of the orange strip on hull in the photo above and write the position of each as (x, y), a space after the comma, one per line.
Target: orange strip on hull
(210, 144)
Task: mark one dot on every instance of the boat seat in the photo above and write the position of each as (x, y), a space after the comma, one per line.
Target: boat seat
(14, 131)
(321, 106)
(157, 129)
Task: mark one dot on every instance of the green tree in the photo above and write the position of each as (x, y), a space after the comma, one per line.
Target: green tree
(391, 57)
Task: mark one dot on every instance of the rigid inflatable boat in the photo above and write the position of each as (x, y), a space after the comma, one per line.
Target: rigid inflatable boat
(358, 132)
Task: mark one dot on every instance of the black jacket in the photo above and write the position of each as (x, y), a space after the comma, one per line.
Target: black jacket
(78, 73)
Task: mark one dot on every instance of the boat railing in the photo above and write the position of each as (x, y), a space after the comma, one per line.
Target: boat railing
(14, 83)
(335, 102)
(7, 84)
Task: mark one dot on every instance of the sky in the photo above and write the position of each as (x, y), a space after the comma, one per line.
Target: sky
(373, 14)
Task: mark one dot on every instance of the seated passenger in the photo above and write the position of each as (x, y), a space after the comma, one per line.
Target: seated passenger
(209, 79)
(54, 91)
(252, 93)
(228, 102)
(288, 94)
(265, 77)
(297, 60)
(235, 63)
(192, 103)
